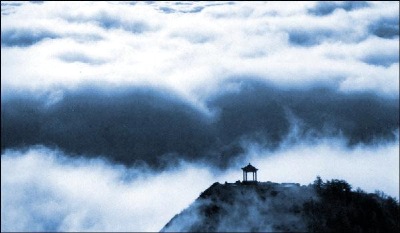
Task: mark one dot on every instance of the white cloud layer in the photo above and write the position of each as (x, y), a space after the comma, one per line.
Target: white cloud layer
(191, 47)
(42, 189)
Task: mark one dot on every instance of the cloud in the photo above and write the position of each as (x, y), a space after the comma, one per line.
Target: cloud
(364, 167)
(140, 44)
(42, 190)
(308, 38)
(111, 21)
(138, 124)
(162, 83)
(9, 7)
(24, 37)
(326, 8)
(386, 27)
(80, 57)
(107, 16)
(155, 126)
(265, 108)
(46, 190)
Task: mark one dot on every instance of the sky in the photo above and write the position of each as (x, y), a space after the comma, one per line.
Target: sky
(115, 116)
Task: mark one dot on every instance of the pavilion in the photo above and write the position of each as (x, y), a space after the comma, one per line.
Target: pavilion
(252, 169)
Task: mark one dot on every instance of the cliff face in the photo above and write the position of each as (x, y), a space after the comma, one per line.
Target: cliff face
(267, 206)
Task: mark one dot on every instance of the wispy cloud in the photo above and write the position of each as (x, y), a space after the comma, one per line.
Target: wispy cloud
(132, 125)
(42, 190)
(46, 190)
(92, 91)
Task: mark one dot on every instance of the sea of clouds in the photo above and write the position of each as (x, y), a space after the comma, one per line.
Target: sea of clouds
(116, 115)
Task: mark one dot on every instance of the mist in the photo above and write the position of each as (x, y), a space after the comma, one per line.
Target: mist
(47, 190)
(116, 116)
(136, 125)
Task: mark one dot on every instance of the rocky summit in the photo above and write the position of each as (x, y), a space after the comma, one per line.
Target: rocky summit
(330, 206)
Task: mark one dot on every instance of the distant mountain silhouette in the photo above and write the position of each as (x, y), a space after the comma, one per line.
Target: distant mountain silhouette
(270, 207)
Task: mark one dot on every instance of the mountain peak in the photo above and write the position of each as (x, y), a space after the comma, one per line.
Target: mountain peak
(270, 207)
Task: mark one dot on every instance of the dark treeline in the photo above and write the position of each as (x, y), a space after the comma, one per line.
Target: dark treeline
(341, 210)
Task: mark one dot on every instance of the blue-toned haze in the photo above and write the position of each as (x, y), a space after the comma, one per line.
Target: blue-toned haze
(116, 115)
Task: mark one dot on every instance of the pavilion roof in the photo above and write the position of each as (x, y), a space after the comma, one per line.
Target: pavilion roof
(249, 168)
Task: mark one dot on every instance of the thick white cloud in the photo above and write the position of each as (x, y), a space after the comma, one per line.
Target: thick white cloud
(42, 189)
(190, 48)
